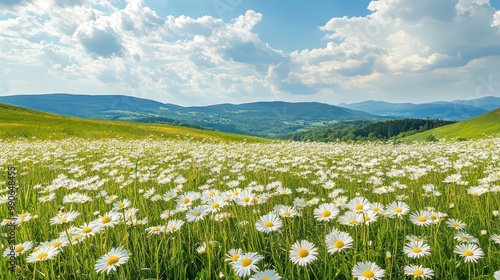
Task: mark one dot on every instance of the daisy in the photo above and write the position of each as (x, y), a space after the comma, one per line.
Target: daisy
(109, 219)
(398, 209)
(470, 252)
(111, 260)
(464, 237)
(303, 252)
(63, 218)
(233, 255)
(351, 218)
(18, 249)
(338, 241)
(412, 237)
(326, 212)
(421, 218)
(359, 204)
(122, 204)
(268, 223)
(417, 249)
(156, 229)
(369, 217)
(88, 229)
(286, 211)
(58, 243)
(417, 271)
(216, 203)
(187, 199)
(46, 198)
(367, 270)
(377, 207)
(197, 213)
(496, 238)
(42, 254)
(247, 263)
(340, 201)
(174, 225)
(268, 274)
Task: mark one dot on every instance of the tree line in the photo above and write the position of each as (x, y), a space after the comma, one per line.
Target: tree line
(366, 130)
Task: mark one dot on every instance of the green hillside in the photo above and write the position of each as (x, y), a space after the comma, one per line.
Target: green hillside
(16, 122)
(475, 128)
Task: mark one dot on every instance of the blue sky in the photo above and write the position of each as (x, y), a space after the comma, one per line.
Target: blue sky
(196, 52)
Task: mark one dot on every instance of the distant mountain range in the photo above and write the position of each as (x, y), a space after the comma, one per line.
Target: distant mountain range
(266, 119)
(455, 110)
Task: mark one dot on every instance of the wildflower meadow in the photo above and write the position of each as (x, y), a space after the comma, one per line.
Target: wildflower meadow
(184, 209)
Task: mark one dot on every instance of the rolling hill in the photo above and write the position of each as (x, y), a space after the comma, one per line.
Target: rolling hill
(16, 122)
(265, 119)
(455, 111)
(475, 128)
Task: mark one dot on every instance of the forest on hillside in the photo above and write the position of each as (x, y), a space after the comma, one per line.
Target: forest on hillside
(366, 130)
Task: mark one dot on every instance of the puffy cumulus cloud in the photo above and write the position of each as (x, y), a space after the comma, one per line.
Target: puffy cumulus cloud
(133, 49)
(400, 40)
(129, 48)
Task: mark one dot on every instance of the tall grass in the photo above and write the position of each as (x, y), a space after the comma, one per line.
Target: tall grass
(275, 174)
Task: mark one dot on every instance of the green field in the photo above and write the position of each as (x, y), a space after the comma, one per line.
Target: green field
(202, 210)
(475, 128)
(117, 200)
(20, 123)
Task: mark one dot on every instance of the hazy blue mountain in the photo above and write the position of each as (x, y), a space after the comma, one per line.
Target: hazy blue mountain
(457, 110)
(487, 103)
(268, 119)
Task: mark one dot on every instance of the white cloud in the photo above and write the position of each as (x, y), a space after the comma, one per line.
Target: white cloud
(132, 50)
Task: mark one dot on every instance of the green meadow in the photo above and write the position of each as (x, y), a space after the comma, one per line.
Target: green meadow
(112, 200)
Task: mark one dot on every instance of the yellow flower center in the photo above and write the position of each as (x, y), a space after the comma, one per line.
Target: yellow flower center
(155, 229)
(463, 237)
(106, 220)
(215, 205)
(246, 262)
(87, 230)
(266, 278)
(398, 210)
(112, 260)
(368, 274)
(268, 224)
(303, 253)
(235, 257)
(246, 199)
(57, 244)
(62, 220)
(42, 256)
(197, 214)
(286, 214)
(418, 272)
(170, 195)
(468, 253)
(19, 249)
(359, 207)
(455, 224)
(46, 197)
(186, 200)
(338, 244)
(416, 250)
(434, 216)
(326, 213)
(121, 205)
(421, 219)
(375, 209)
(353, 221)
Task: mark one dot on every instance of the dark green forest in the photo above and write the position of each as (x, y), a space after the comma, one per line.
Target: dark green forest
(366, 130)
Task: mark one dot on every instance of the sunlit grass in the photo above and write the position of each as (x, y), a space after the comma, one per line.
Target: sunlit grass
(447, 180)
